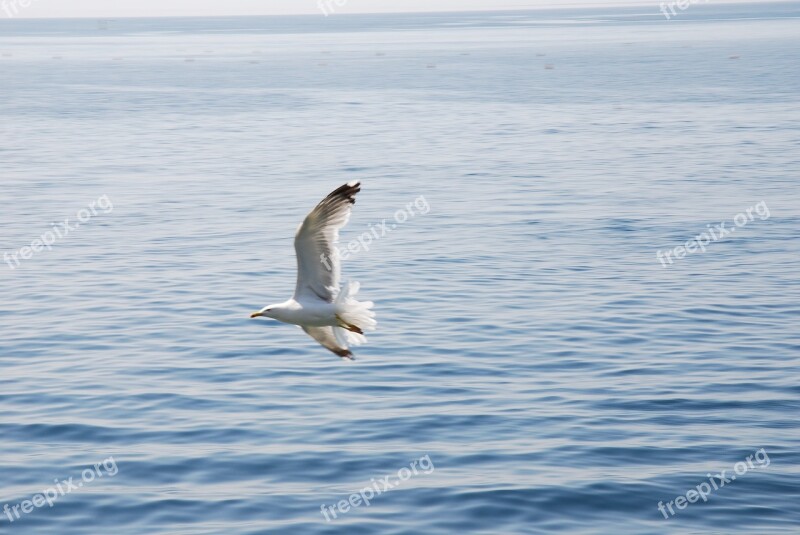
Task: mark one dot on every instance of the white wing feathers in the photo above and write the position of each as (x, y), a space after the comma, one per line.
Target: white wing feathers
(318, 263)
(326, 337)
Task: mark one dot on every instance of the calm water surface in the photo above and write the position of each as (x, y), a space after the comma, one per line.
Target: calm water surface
(531, 344)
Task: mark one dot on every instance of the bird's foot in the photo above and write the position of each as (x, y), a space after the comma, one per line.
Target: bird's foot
(349, 326)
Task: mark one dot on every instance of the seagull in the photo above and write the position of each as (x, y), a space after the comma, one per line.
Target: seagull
(327, 313)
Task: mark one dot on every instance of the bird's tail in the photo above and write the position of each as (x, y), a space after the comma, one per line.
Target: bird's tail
(355, 316)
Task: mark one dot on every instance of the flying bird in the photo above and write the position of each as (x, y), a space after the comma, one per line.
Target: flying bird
(329, 314)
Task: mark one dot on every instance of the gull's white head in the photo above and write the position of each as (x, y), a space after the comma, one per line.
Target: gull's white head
(270, 311)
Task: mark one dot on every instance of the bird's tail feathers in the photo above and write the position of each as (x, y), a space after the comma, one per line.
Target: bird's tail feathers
(355, 314)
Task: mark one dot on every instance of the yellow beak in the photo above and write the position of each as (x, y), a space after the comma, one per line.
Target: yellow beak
(255, 315)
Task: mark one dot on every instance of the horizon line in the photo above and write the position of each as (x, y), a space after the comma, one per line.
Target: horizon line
(576, 5)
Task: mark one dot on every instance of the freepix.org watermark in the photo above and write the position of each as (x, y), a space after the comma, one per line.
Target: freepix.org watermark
(715, 483)
(12, 8)
(367, 494)
(58, 232)
(376, 232)
(713, 233)
(50, 495)
(327, 6)
(683, 5)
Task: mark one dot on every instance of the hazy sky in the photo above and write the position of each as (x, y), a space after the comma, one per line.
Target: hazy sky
(144, 8)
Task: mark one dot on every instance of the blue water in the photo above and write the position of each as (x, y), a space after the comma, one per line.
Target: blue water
(558, 378)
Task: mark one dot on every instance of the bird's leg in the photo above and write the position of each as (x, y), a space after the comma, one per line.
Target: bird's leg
(349, 326)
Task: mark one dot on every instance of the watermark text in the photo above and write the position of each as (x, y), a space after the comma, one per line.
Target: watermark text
(367, 494)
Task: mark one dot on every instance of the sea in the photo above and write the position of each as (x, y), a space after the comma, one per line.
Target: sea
(580, 228)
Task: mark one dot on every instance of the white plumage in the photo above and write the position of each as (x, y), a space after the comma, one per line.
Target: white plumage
(329, 314)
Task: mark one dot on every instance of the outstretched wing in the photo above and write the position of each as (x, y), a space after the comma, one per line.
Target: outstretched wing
(318, 265)
(325, 336)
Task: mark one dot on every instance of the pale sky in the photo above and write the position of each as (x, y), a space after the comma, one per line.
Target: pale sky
(163, 8)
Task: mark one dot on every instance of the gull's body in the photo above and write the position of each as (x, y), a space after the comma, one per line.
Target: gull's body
(326, 312)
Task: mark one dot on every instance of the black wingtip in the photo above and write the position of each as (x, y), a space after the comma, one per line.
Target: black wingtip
(346, 354)
(347, 192)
